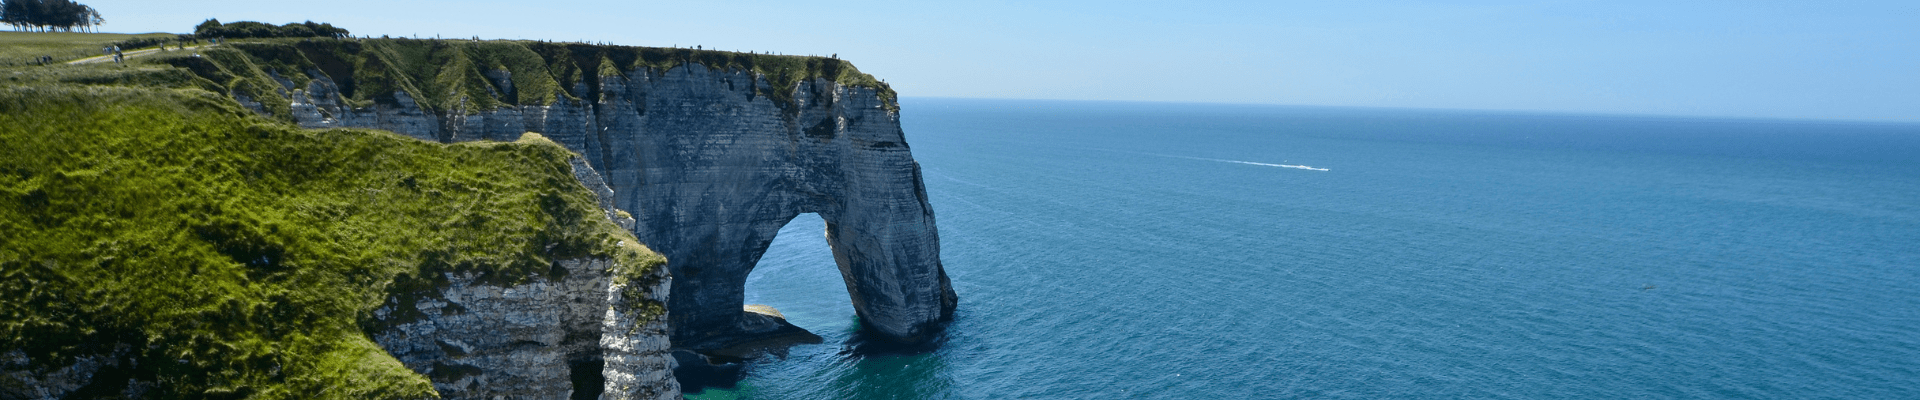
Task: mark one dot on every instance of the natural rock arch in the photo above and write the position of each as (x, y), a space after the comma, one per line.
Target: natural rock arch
(711, 162)
(711, 167)
(711, 171)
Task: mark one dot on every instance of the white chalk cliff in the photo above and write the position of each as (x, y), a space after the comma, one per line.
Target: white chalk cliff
(710, 166)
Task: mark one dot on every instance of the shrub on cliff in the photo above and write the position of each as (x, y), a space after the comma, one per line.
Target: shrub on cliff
(212, 28)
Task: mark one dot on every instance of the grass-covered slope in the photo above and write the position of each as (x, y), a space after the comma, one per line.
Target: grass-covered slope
(23, 48)
(466, 75)
(223, 255)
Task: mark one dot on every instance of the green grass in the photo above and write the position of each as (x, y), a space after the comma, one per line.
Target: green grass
(441, 75)
(20, 48)
(235, 256)
(138, 72)
(453, 75)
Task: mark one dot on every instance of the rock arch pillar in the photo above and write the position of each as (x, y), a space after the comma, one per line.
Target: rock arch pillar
(891, 264)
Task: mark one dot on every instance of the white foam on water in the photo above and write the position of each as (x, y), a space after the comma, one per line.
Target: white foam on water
(1247, 162)
(1309, 168)
(1271, 165)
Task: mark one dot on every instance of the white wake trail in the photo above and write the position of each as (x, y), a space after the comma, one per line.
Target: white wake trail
(1269, 165)
(1309, 168)
(1245, 162)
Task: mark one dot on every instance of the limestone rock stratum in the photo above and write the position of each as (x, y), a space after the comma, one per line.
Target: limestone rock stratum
(712, 152)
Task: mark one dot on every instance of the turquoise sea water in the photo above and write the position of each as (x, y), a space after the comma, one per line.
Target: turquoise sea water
(1143, 250)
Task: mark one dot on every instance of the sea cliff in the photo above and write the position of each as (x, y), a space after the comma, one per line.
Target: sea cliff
(216, 223)
(711, 151)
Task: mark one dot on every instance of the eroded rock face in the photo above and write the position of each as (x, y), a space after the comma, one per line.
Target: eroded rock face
(20, 378)
(542, 339)
(712, 170)
(515, 340)
(634, 343)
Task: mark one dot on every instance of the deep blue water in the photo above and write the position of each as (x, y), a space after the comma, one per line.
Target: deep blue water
(1118, 250)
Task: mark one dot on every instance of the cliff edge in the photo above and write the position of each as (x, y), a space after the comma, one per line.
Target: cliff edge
(712, 151)
(170, 229)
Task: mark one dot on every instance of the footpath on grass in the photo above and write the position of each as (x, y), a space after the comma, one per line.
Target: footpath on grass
(131, 54)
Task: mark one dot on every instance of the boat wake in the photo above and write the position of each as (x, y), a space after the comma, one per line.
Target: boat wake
(1268, 165)
(1247, 162)
(1309, 168)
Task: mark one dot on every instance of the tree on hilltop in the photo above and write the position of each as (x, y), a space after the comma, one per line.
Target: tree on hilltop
(49, 15)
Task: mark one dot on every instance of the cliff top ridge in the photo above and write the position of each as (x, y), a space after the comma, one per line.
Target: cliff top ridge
(478, 75)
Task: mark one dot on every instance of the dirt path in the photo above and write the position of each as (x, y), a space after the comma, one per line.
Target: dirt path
(130, 54)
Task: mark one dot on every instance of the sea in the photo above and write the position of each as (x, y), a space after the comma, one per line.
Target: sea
(1123, 250)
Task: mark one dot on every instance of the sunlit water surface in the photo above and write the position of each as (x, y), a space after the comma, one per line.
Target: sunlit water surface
(1140, 250)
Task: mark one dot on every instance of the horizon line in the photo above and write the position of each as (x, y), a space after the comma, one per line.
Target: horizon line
(1562, 113)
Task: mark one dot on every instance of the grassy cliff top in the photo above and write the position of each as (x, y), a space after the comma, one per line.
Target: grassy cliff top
(439, 74)
(21, 48)
(477, 75)
(225, 255)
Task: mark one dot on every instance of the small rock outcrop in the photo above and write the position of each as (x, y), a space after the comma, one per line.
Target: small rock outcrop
(543, 339)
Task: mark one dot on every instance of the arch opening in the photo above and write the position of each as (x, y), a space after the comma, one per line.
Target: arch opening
(797, 277)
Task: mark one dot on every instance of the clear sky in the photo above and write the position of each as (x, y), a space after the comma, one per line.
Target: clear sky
(1830, 59)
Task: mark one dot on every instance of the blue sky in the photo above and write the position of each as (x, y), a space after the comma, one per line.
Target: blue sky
(1767, 59)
